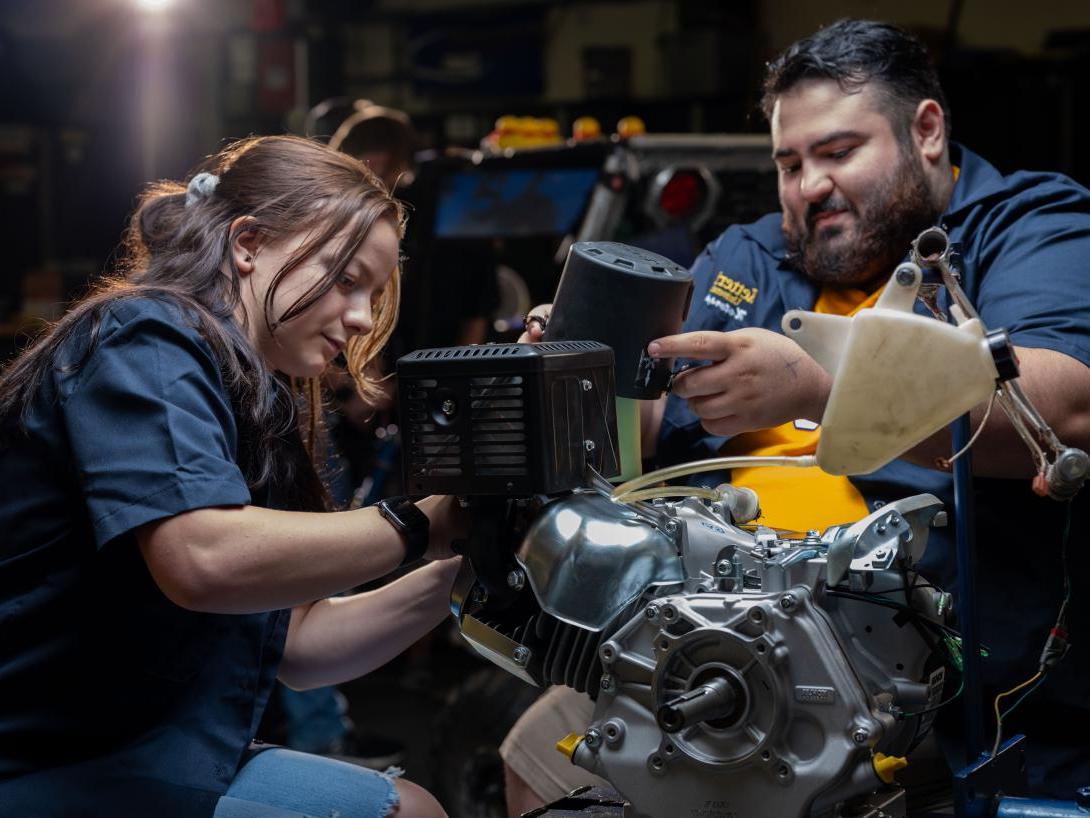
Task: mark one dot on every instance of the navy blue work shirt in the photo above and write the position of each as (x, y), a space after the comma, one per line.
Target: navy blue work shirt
(1024, 245)
(114, 701)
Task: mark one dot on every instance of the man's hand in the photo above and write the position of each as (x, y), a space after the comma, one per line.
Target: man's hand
(757, 379)
(536, 320)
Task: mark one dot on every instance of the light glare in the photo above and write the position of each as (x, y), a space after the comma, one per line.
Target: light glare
(154, 6)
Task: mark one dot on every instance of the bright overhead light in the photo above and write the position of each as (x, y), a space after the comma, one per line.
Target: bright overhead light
(154, 6)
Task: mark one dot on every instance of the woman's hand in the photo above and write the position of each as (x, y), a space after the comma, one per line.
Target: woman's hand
(536, 320)
(449, 522)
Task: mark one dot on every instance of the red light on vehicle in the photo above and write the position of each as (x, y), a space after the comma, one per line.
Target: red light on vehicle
(683, 196)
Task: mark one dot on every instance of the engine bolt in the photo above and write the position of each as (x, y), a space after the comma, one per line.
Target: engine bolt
(588, 445)
(788, 602)
(651, 612)
(608, 683)
(587, 385)
(669, 613)
(671, 527)
(593, 738)
(723, 568)
(880, 554)
(861, 735)
(521, 656)
(812, 534)
(905, 277)
(516, 580)
(614, 730)
(448, 407)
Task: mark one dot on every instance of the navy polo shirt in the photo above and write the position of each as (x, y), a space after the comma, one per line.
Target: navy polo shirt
(1024, 245)
(113, 700)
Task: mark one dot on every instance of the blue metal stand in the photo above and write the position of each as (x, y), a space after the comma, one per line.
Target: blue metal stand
(968, 621)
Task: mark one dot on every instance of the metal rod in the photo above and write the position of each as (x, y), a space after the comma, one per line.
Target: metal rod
(1036, 808)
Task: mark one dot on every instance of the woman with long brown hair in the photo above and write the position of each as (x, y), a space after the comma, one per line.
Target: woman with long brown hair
(167, 549)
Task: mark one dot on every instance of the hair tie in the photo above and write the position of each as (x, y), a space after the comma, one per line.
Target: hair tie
(200, 187)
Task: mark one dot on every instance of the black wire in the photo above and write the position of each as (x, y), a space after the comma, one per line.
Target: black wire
(887, 590)
(897, 606)
(1061, 618)
(919, 621)
(934, 707)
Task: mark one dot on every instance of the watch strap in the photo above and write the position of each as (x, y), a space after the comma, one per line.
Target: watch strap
(411, 523)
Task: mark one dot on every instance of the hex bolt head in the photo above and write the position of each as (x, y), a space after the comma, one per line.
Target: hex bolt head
(788, 602)
(880, 554)
(723, 568)
(593, 738)
(521, 656)
(860, 735)
(608, 683)
(586, 384)
(607, 652)
(651, 612)
(516, 580)
(448, 407)
(812, 534)
(614, 730)
(589, 445)
(671, 527)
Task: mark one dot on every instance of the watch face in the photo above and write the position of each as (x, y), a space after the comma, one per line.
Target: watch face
(413, 523)
(407, 512)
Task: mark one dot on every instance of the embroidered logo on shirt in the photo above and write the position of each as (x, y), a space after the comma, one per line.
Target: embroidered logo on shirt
(731, 291)
(728, 295)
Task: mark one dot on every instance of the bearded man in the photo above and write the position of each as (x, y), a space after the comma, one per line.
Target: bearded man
(860, 136)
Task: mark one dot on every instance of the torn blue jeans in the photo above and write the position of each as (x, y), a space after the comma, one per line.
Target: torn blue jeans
(279, 783)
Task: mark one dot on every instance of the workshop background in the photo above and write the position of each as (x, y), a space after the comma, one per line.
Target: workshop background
(100, 96)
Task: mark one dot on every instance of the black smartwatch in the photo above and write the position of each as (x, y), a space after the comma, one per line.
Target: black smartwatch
(411, 523)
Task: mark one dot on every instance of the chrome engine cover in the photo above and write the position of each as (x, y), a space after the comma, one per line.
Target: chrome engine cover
(812, 651)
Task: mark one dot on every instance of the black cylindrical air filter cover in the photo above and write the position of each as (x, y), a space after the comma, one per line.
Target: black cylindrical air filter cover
(624, 297)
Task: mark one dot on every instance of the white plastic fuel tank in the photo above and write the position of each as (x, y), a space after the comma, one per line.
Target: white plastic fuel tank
(898, 377)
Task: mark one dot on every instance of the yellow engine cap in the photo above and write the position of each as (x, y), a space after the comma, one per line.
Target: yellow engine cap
(630, 126)
(586, 127)
(569, 744)
(885, 766)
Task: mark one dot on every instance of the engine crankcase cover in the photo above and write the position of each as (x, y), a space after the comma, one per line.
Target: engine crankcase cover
(800, 726)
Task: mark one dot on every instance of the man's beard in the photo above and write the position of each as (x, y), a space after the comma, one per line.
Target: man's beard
(886, 221)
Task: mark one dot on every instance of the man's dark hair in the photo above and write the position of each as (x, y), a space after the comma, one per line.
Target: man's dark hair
(856, 53)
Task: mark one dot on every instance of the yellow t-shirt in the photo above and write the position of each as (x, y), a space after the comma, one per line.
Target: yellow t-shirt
(800, 499)
(792, 498)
